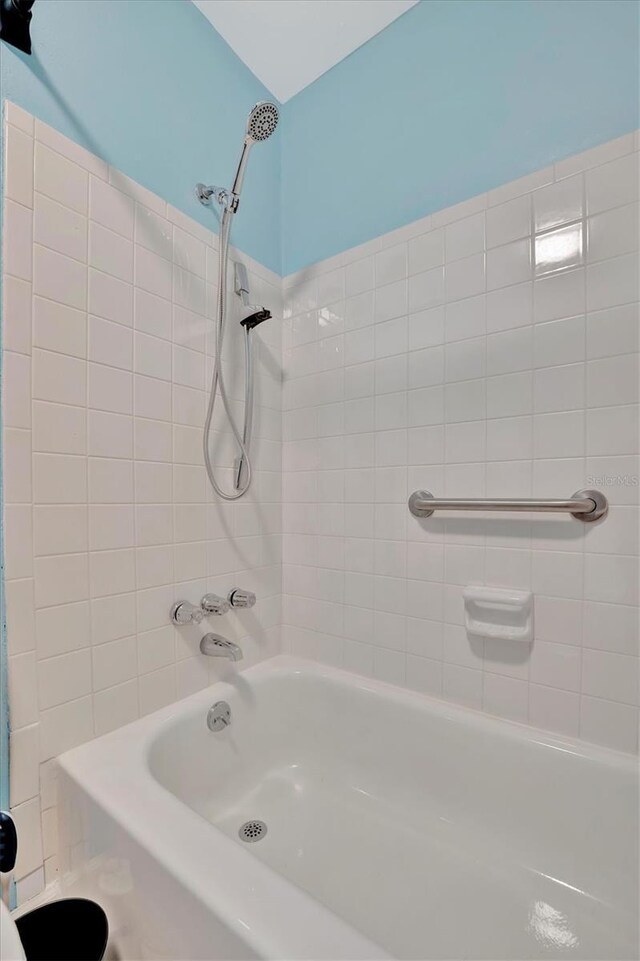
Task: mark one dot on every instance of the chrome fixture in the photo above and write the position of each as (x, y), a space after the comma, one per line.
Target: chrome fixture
(185, 613)
(204, 195)
(239, 598)
(212, 604)
(261, 123)
(585, 505)
(242, 283)
(215, 646)
(219, 716)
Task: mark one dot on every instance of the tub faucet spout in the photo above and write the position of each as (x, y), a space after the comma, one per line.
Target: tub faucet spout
(215, 646)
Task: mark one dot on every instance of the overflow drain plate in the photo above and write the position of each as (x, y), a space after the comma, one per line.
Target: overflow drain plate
(252, 831)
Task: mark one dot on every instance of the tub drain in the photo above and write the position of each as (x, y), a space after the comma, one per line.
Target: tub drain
(252, 831)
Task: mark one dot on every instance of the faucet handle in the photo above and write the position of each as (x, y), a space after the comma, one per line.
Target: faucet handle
(185, 613)
(212, 604)
(240, 598)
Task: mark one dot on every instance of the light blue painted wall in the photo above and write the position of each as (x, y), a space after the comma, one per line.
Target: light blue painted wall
(152, 88)
(452, 99)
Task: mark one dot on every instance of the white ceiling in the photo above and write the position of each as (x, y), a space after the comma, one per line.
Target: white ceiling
(290, 43)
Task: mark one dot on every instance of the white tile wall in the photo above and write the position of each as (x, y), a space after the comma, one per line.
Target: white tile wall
(108, 299)
(490, 349)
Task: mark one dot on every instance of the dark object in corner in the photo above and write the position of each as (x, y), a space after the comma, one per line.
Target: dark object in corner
(71, 930)
(8, 843)
(254, 319)
(15, 18)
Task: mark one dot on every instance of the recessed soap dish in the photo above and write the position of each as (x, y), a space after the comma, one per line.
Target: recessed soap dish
(498, 612)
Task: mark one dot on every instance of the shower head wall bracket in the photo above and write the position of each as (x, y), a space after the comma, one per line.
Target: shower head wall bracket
(256, 312)
(219, 194)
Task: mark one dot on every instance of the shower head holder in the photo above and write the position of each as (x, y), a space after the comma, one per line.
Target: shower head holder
(220, 194)
(259, 315)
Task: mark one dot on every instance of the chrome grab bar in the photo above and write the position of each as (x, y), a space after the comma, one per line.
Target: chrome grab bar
(585, 505)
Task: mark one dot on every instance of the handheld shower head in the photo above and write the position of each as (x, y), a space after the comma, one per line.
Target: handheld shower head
(261, 123)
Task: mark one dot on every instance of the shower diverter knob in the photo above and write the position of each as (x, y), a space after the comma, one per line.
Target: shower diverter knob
(240, 598)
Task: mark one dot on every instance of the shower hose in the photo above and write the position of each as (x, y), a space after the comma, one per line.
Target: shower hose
(217, 380)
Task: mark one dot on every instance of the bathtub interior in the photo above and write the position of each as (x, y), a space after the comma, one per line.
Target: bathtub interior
(428, 829)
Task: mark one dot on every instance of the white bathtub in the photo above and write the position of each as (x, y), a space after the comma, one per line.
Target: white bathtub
(396, 826)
